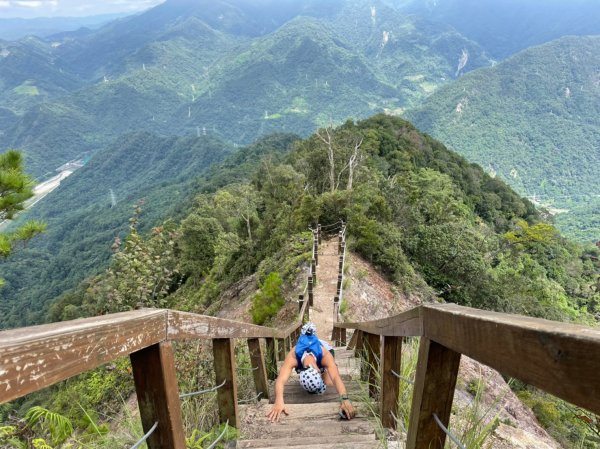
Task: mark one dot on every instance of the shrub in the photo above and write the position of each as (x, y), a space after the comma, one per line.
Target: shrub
(267, 302)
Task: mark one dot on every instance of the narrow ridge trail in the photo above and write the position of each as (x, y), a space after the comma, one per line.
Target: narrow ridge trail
(313, 420)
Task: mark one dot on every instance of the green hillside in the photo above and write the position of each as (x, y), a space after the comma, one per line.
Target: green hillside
(174, 69)
(506, 27)
(83, 221)
(534, 121)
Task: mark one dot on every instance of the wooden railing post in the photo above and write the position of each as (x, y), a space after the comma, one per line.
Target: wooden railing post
(300, 302)
(281, 349)
(371, 344)
(313, 265)
(340, 238)
(316, 250)
(342, 336)
(158, 396)
(319, 234)
(390, 384)
(271, 358)
(437, 370)
(356, 343)
(224, 360)
(257, 359)
(310, 291)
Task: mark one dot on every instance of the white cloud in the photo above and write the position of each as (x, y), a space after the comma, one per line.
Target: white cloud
(28, 3)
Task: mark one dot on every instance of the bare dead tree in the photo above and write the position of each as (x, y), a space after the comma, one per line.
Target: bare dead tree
(329, 142)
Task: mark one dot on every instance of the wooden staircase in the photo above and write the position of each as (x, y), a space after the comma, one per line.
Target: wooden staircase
(559, 358)
(313, 421)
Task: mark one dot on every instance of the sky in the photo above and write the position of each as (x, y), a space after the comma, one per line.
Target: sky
(66, 8)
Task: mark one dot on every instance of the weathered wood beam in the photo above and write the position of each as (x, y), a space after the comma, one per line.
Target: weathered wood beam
(38, 356)
(158, 395)
(562, 359)
(224, 362)
(190, 326)
(406, 324)
(257, 359)
(390, 383)
(435, 380)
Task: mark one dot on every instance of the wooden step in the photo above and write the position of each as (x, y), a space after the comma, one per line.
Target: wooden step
(257, 413)
(315, 428)
(309, 441)
(284, 443)
(295, 394)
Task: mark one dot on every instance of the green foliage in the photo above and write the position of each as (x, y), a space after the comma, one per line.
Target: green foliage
(533, 125)
(47, 422)
(267, 302)
(142, 272)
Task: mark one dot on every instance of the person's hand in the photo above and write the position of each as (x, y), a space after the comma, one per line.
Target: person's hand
(275, 414)
(347, 409)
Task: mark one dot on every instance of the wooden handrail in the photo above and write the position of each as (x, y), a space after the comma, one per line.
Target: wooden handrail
(560, 358)
(38, 356)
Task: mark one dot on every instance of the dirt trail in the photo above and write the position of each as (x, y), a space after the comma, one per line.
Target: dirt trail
(327, 273)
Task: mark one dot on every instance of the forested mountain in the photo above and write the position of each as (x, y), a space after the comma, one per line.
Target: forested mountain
(186, 66)
(534, 120)
(509, 26)
(92, 207)
(16, 28)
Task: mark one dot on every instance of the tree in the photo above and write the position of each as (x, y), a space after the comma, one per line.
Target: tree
(15, 188)
(241, 201)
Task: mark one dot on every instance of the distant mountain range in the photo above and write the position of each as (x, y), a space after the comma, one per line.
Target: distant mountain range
(16, 28)
(189, 66)
(505, 27)
(533, 120)
(220, 74)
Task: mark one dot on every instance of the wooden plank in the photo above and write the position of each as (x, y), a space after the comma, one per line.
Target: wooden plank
(38, 356)
(435, 380)
(406, 324)
(352, 342)
(271, 358)
(562, 359)
(373, 349)
(158, 395)
(390, 384)
(224, 362)
(190, 326)
(342, 337)
(257, 359)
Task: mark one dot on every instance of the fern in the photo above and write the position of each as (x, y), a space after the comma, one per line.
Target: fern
(58, 426)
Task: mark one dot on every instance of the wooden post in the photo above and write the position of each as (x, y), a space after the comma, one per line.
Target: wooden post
(313, 265)
(281, 349)
(342, 336)
(300, 302)
(373, 343)
(357, 343)
(319, 234)
(224, 361)
(259, 369)
(271, 358)
(316, 249)
(437, 370)
(310, 291)
(341, 265)
(390, 384)
(339, 285)
(340, 242)
(334, 335)
(158, 396)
